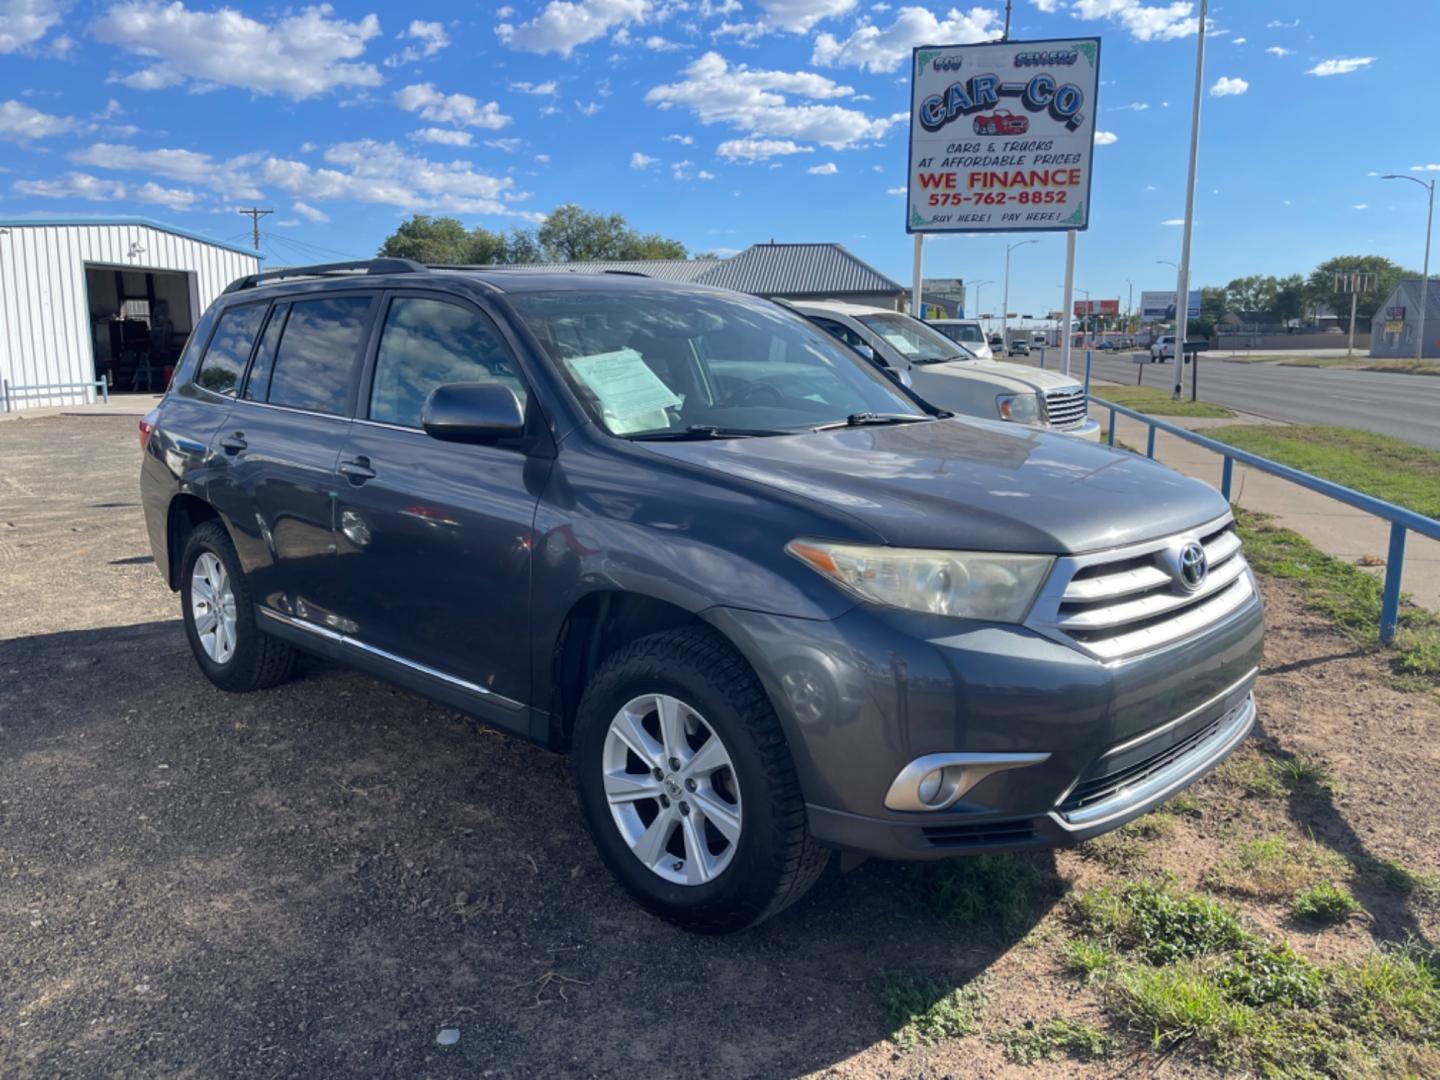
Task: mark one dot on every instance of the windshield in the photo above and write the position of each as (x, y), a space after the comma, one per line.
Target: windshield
(966, 332)
(912, 339)
(647, 362)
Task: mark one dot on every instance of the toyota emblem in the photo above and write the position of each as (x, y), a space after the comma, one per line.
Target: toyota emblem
(1194, 566)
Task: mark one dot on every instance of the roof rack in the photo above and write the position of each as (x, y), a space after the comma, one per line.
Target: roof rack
(366, 266)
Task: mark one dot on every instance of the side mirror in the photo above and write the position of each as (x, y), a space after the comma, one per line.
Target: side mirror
(472, 413)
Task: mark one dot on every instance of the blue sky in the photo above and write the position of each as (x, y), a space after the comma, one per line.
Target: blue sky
(718, 122)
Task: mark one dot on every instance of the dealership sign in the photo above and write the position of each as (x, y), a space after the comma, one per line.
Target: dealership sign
(1002, 135)
(1096, 307)
(1160, 306)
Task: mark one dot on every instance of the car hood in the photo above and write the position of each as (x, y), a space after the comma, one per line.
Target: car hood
(969, 484)
(1006, 377)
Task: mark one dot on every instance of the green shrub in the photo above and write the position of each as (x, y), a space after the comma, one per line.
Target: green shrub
(1324, 904)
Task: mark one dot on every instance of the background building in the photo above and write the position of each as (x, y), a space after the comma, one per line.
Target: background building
(108, 299)
(1397, 320)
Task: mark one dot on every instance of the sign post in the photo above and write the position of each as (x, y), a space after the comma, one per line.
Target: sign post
(1001, 140)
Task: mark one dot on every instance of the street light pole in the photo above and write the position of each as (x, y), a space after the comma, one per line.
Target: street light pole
(1005, 315)
(978, 308)
(1429, 186)
(1182, 286)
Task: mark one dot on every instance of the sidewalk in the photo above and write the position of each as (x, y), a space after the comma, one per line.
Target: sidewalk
(119, 405)
(1333, 527)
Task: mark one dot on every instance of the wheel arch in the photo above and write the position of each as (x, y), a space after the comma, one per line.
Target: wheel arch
(187, 512)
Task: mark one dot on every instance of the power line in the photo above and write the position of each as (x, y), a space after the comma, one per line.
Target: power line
(305, 245)
(255, 214)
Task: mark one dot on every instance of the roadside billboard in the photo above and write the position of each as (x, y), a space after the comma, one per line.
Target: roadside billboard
(1002, 135)
(1096, 307)
(1160, 306)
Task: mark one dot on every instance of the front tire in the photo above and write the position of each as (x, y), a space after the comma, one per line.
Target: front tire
(232, 651)
(686, 783)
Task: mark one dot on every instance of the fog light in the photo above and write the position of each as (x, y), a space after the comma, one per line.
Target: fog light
(929, 789)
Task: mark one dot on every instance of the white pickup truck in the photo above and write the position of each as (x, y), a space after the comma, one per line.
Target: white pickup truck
(947, 374)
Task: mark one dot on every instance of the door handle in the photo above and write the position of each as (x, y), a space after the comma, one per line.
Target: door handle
(233, 444)
(357, 469)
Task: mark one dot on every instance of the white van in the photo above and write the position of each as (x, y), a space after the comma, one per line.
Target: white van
(968, 333)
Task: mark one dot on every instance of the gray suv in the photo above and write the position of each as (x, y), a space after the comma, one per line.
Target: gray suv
(772, 603)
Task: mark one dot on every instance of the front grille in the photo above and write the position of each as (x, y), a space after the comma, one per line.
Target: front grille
(1065, 408)
(1121, 603)
(1089, 792)
(983, 834)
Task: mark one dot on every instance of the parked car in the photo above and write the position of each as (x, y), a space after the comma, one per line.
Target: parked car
(1018, 347)
(967, 333)
(772, 603)
(1162, 349)
(1001, 122)
(945, 372)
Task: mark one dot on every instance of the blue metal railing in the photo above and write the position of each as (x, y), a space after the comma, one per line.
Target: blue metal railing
(1401, 520)
(9, 391)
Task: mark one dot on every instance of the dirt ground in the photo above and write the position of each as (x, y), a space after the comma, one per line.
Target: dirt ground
(315, 880)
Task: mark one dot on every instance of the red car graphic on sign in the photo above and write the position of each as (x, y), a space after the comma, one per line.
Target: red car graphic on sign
(1001, 122)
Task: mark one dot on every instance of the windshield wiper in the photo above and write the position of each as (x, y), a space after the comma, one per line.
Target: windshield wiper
(863, 419)
(696, 432)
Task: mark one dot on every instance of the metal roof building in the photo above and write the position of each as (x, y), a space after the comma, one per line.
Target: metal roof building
(112, 299)
(1397, 320)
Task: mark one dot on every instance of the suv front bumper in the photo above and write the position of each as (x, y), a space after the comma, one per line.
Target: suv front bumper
(865, 695)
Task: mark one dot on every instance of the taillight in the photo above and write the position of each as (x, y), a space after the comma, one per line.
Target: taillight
(147, 428)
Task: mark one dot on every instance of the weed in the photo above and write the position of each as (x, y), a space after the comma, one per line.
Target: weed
(1056, 1036)
(1301, 771)
(1163, 925)
(995, 890)
(1324, 903)
(926, 1011)
(1186, 803)
(1273, 866)
(1261, 974)
(1251, 771)
(1088, 957)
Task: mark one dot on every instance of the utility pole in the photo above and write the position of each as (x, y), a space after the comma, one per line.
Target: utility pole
(255, 214)
(1182, 287)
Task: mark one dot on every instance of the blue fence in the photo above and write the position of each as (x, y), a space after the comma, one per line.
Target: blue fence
(1401, 520)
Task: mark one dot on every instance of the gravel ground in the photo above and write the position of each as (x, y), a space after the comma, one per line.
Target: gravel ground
(314, 881)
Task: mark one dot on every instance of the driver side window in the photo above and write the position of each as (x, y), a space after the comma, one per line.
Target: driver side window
(841, 331)
(427, 343)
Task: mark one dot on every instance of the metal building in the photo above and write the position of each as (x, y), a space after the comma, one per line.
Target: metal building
(1396, 322)
(85, 302)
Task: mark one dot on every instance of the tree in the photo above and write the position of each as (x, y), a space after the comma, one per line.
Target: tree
(573, 234)
(1289, 302)
(570, 234)
(1320, 288)
(429, 240)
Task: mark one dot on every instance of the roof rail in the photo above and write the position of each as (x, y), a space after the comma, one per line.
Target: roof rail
(368, 266)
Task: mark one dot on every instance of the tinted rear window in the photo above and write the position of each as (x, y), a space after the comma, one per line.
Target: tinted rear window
(319, 354)
(229, 350)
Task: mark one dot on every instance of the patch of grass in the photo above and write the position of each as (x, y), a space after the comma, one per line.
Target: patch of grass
(993, 890)
(1126, 848)
(1388, 468)
(1187, 803)
(1401, 880)
(1089, 958)
(1054, 1038)
(1147, 399)
(1347, 595)
(1251, 771)
(1300, 771)
(1324, 904)
(1159, 922)
(1273, 866)
(926, 1011)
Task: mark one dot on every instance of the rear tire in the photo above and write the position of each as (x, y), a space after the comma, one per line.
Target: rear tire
(232, 651)
(765, 859)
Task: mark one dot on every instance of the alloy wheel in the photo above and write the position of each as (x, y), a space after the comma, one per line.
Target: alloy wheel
(672, 789)
(212, 607)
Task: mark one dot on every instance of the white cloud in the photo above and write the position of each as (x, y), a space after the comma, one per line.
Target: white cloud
(309, 213)
(231, 177)
(587, 108)
(509, 145)
(798, 16)
(300, 55)
(19, 122)
(878, 50)
(459, 109)
(1278, 50)
(1341, 67)
(545, 88)
(443, 136)
(1148, 187)
(756, 102)
(1164, 22)
(641, 161)
(895, 191)
(703, 175)
(1425, 168)
(683, 140)
(685, 170)
(1106, 138)
(1047, 6)
(24, 22)
(1226, 86)
(564, 25)
(828, 169)
(1173, 221)
(77, 185)
(431, 37)
(504, 12)
(1241, 40)
(1279, 24)
(1362, 206)
(760, 149)
(1134, 106)
(656, 43)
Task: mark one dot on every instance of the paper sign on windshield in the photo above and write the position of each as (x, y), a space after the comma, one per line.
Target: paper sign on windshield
(628, 391)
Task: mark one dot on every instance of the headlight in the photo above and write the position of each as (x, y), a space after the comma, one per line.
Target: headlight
(964, 584)
(1021, 408)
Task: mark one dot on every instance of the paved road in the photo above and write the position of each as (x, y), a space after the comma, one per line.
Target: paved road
(1406, 406)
